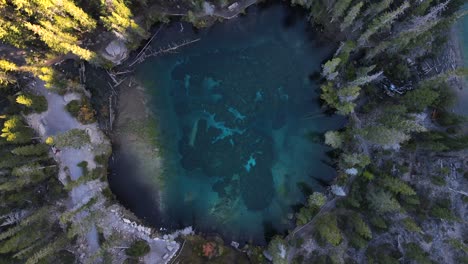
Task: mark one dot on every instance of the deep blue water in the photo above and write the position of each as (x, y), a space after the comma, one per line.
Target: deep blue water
(234, 110)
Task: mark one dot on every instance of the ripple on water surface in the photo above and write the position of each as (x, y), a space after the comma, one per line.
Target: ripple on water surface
(235, 109)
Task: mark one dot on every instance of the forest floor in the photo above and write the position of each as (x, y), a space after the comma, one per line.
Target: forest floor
(107, 218)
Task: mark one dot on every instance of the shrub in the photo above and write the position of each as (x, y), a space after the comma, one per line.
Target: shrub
(36, 103)
(139, 248)
(82, 111)
(438, 180)
(410, 225)
(414, 252)
(328, 230)
(73, 107)
(74, 138)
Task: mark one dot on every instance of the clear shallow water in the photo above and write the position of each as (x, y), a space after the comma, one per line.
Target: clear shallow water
(235, 110)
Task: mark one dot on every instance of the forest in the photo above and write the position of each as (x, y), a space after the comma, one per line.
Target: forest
(400, 160)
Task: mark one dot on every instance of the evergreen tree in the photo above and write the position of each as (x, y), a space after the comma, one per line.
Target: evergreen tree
(381, 201)
(117, 16)
(15, 131)
(334, 139)
(385, 20)
(377, 7)
(59, 41)
(329, 69)
(7, 66)
(360, 227)
(396, 185)
(339, 8)
(49, 249)
(31, 150)
(328, 230)
(351, 16)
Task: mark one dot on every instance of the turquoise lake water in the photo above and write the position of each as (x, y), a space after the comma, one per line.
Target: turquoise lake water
(462, 27)
(235, 110)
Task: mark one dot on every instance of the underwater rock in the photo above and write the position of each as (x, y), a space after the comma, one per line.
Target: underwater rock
(250, 163)
(236, 114)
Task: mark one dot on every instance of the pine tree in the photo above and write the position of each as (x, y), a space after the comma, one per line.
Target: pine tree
(385, 20)
(15, 131)
(49, 249)
(377, 7)
(381, 201)
(334, 139)
(363, 78)
(328, 230)
(24, 100)
(339, 8)
(117, 16)
(330, 67)
(317, 200)
(77, 14)
(31, 150)
(7, 66)
(396, 185)
(59, 41)
(348, 93)
(351, 16)
(359, 226)
(356, 159)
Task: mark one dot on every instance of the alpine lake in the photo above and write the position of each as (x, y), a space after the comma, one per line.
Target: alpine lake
(237, 114)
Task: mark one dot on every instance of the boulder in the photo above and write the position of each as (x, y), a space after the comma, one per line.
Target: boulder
(116, 51)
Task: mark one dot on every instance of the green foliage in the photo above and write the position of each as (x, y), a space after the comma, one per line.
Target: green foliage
(316, 200)
(334, 139)
(414, 252)
(381, 201)
(438, 180)
(385, 20)
(351, 16)
(58, 41)
(117, 16)
(31, 150)
(36, 103)
(382, 254)
(327, 229)
(442, 209)
(419, 99)
(82, 110)
(277, 249)
(359, 226)
(378, 221)
(138, 248)
(329, 69)
(339, 8)
(7, 66)
(356, 159)
(411, 225)
(368, 175)
(15, 130)
(75, 138)
(458, 244)
(396, 185)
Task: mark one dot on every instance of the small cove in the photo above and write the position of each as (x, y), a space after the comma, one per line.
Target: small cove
(234, 111)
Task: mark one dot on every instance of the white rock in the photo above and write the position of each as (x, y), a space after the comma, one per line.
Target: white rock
(337, 190)
(116, 51)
